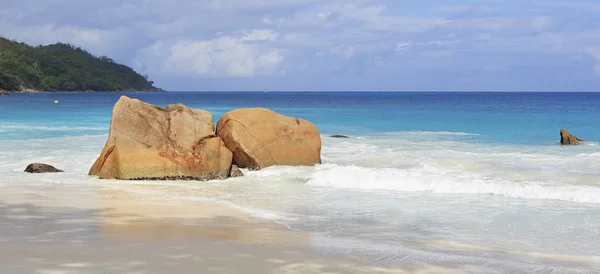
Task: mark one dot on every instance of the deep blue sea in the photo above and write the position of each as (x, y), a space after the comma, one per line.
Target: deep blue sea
(470, 178)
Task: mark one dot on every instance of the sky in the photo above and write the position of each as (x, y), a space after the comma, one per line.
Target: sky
(329, 45)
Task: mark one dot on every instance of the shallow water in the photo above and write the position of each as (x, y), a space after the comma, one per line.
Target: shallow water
(425, 177)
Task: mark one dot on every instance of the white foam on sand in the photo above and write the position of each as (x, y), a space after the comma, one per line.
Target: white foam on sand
(450, 167)
(336, 197)
(437, 180)
(430, 133)
(457, 167)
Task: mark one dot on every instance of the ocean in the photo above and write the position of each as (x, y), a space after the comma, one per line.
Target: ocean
(448, 177)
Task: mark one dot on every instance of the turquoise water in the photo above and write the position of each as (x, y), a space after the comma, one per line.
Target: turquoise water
(523, 118)
(473, 178)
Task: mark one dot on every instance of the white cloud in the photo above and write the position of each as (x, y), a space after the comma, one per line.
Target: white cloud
(345, 51)
(587, 6)
(595, 54)
(403, 46)
(241, 38)
(260, 35)
(494, 68)
(96, 40)
(226, 56)
(500, 23)
(438, 43)
(267, 20)
(436, 54)
(541, 22)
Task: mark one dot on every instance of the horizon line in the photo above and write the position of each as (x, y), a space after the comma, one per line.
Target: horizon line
(394, 91)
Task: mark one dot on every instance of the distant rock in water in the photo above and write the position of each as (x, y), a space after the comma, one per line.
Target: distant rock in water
(41, 168)
(338, 136)
(260, 138)
(235, 172)
(2, 93)
(567, 139)
(147, 142)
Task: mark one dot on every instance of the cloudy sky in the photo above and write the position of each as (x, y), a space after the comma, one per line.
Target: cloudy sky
(312, 45)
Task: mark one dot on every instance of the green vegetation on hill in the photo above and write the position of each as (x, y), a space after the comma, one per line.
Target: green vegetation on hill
(64, 67)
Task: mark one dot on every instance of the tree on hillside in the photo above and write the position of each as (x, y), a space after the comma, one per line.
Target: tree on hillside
(64, 67)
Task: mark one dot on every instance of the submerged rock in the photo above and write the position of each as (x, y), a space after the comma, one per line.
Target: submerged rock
(567, 139)
(338, 136)
(147, 142)
(41, 168)
(260, 138)
(235, 172)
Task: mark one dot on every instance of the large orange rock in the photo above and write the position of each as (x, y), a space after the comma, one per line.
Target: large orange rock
(152, 143)
(568, 139)
(260, 138)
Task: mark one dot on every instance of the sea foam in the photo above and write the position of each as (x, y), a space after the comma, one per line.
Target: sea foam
(428, 162)
(376, 163)
(441, 181)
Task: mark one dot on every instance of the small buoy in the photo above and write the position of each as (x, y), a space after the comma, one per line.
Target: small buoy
(56, 101)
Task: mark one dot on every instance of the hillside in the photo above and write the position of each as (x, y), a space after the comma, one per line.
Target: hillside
(64, 67)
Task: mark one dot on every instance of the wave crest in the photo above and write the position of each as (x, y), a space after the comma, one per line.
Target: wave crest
(433, 180)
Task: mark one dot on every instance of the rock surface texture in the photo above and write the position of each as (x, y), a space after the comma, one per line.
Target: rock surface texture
(41, 168)
(147, 142)
(567, 139)
(260, 138)
(235, 172)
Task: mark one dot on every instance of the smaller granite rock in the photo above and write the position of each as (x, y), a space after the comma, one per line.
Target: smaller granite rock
(260, 138)
(567, 139)
(338, 136)
(235, 172)
(2, 93)
(41, 168)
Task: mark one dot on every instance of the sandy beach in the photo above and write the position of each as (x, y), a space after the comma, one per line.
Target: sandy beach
(105, 230)
(457, 195)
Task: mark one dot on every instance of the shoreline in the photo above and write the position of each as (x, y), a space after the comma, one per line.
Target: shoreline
(111, 230)
(132, 227)
(458, 202)
(128, 212)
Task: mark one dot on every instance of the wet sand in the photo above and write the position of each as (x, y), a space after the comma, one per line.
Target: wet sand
(107, 230)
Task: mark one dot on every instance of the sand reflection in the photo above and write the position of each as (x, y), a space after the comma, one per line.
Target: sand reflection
(133, 215)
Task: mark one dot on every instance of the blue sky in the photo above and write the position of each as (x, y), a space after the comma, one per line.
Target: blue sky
(312, 45)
